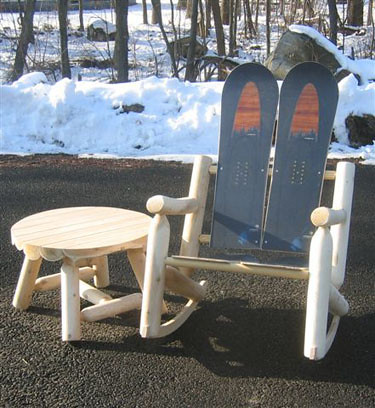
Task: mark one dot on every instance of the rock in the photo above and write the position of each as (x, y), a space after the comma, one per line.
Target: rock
(135, 107)
(94, 63)
(101, 30)
(361, 129)
(294, 48)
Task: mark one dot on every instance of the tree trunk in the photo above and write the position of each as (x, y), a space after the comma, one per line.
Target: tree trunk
(62, 6)
(268, 26)
(370, 18)
(208, 16)
(249, 18)
(355, 13)
(189, 8)
(256, 14)
(144, 10)
(121, 40)
(24, 40)
(81, 24)
(332, 21)
(225, 11)
(233, 13)
(157, 9)
(218, 28)
(189, 73)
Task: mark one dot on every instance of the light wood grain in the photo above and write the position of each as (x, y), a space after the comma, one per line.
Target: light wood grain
(80, 228)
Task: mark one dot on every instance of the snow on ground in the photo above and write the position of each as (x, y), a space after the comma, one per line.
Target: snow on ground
(179, 118)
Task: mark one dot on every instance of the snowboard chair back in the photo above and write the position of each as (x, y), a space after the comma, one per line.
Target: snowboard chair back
(261, 203)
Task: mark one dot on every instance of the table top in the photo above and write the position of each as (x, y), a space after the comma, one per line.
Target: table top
(81, 228)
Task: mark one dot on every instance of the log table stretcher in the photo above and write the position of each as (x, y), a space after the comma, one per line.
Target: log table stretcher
(81, 237)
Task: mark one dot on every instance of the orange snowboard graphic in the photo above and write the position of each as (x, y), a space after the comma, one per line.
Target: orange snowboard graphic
(306, 116)
(248, 109)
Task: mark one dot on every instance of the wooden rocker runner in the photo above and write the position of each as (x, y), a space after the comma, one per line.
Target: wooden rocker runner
(288, 221)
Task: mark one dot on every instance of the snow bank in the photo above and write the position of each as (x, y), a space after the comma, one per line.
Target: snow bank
(86, 117)
(353, 99)
(179, 119)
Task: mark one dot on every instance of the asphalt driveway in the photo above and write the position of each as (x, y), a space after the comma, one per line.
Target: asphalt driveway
(242, 348)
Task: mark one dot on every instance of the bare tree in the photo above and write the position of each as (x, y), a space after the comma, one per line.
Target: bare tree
(62, 6)
(225, 11)
(220, 40)
(157, 9)
(333, 16)
(81, 8)
(355, 13)
(233, 15)
(370, 10)
(268, 26)
(121, 40)
(24, 40)
(144, 11)
(190, 66)
(249, 19)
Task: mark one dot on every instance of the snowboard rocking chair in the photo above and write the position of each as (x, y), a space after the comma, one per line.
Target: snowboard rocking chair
(262, 203)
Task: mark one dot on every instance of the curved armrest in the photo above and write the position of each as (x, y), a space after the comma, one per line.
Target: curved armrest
(325, 217)
(163, 205)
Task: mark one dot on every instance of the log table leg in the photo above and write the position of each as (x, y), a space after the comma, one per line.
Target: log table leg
(101, 278)
(26, 283)
(137, 259)
(70, 301)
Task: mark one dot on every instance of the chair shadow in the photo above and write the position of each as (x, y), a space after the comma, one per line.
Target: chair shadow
(232, 340)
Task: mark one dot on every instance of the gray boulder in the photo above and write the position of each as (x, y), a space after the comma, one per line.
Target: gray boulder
(294, 48)
(101, 30)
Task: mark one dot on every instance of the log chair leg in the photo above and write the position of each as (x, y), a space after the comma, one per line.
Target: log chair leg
(137, 259)
(101, 278)
(26, 283)
(70, 301)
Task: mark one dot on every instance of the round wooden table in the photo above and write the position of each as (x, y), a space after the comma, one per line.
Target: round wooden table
(80, 236)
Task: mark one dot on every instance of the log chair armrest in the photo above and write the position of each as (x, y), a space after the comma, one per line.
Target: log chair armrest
(163, 205)
(325, 217)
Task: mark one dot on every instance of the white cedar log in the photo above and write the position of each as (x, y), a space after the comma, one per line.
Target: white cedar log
(193, 222)
(91, 294)
(100, 265)
(342, 199)
(26, 283)
(320, 261)
(163, 205)
(51, 282)
(111, 308)
(70, 302)
(154, 280)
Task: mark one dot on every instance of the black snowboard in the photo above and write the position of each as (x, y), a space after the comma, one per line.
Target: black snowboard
(248, 111)
(307, 108)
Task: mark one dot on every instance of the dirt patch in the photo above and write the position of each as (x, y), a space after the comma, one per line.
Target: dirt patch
(61, 160)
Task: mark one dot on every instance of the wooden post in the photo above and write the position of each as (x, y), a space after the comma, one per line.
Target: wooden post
(26, 283)
(318, 294)
(154, 281)
(342, 199)
(70, 301)
(101, 278)
(193, 222)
